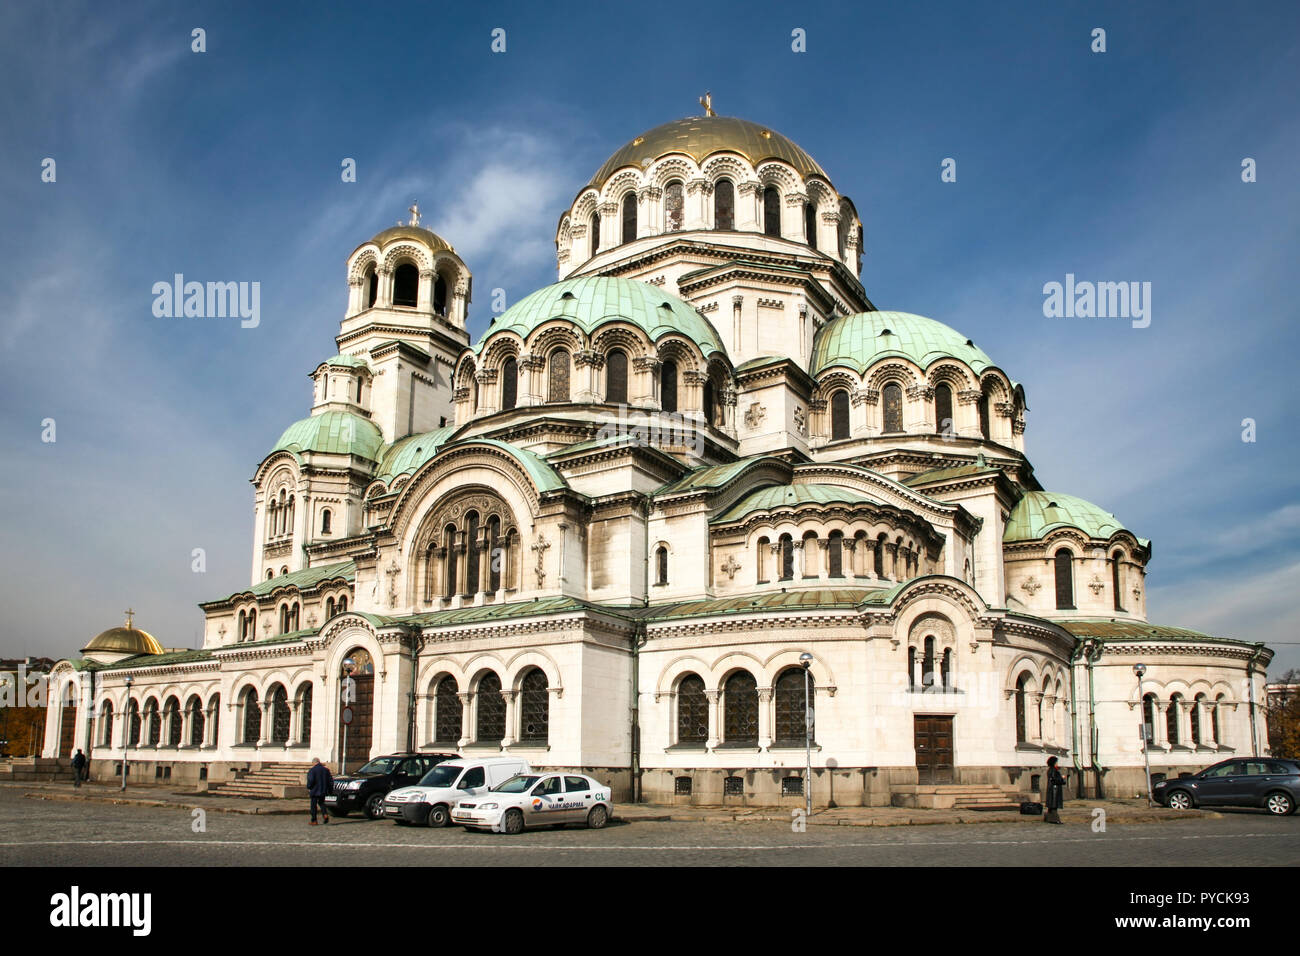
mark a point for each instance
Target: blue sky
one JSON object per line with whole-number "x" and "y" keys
{"x": 1121, "y": 166}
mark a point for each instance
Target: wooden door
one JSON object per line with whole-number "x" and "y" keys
{"x": 934, "y": 750}
{"x": 360, "y": 731}
{"x": 67, "y": 730}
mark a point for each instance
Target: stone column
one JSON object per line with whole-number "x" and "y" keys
{"x": 424, "y": 291}
{"x": 749, "y": 200}
{"x": 695, "y": 212}
{"x": 764, "y": 718}
{"x": 384, "y": 293}
{"x": 511, "y": 716}
{"x": 466, "y": 719}
{"x": 714, "y": 698}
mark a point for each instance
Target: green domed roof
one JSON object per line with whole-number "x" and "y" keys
{"x": 592, "y": 301}
{"x": 1041, "y": 512}
{"x": 406, "y": 455}
{"x": 776, "y": 496}
{"x": 335, "y": 433}
{"x": 348, "y": 361}
{"x": 860, "y": 340}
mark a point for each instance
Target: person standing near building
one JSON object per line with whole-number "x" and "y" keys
{"x": 1054, "y": 792}
{"x": 78, "y": 768}
{"x": 319, "y": 784}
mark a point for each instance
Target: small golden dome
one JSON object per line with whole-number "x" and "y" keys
{"x": 126, "y": 639}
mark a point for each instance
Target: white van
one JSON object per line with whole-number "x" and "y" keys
{"x": 430, "y": 801}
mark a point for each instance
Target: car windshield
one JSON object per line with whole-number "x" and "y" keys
{"x": 441, "y": 776}
{"x": 517, "y": 784}
{"x": 379, "y": 765}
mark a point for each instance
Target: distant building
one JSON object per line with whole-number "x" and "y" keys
{"x": 22, "y": 722}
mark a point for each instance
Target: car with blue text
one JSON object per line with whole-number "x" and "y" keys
{"x": 537, "y": 800}
{"x": 429, "y": 802}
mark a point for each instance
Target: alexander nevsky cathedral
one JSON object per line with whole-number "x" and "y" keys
{"x": 625, "y": 529}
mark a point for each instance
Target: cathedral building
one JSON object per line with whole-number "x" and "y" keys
{"x": 656, "y": 513}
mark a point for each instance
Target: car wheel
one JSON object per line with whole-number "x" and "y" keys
{"x": 437, "y": 817}
{"x": 1179, "y": 800}
{"x": 375, "y": 806}
{"x": 1279, "y": 803}
{"x": 597, "y": 818}
{"x": 513, "y": 823}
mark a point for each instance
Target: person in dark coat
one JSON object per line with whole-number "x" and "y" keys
{"x": 319, "y": 784}
{"x": 1055, "y": 793}
{"x": 78, "y": 768}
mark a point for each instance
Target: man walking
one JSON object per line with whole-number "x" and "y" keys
{"x": 78, "y": 768}
{"x": 319, "y": 784}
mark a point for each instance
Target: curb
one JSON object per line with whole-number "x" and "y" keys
{"x": 165, "y": 804}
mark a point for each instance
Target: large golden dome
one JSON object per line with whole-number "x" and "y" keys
{"x": 700, "y": 137}
{"x": 124, "y": 640}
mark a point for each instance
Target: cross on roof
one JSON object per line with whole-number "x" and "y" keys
{"x": 130, "y": 614}
{"x": 707, "y": 102}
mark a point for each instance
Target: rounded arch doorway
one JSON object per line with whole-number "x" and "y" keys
{"x": 354, "y": 739}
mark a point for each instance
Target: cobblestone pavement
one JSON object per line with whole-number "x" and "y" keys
{"x": 37, "y": 832}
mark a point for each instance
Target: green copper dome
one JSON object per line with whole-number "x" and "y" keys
{"x": 406, "y": 455}
{"x": 777, "y": 496}
{"x": 333, "y": 433}
{"x": 860, "y": 340}
{"x": 592, "y": 301}
{"x": 1041, "y": 512}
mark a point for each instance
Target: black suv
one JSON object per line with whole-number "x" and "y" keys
{"x": 366, "y": 789}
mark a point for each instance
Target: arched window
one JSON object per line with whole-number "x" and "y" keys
{"x": 760, "y": 561}
{"x": 284, "y": 619}
{"x": 304, "y": 714}
{"x": 692, "y": 711}
{"x": 325, "y": 521}
{"x": 1022, "y": 711}
{"x": 616, "y": 377}
{"x": 329, "y": 608}
{"x": 790, "y": 702}
{"x": 372, "y": 285}
{"x": 449, "y": 544}
{"x": 892, "y": 397}
{"x": 214, "y": 716}
{"x": 358, "y": 390}
{"x": 406, "y": 285}
{"x": 724, "y": 205}
{"x": 172, "y": 713}
{"x": 447, "y": 712}
{"x": 343, "y": 604}
{"x": 106, "y": 724}
{"x": 740, "y": 705}
{"x": 509, "y": 383}
{"x": 673, "y": 204}
{"x": 1214, "y": 719}
{"x": 668, "y": 386}
{"x": 945, "y": 668}
{"x": 439, "y": 295}
{"x": 472, "y": 553}
{"x": 661, "y": 565}
{"x": 252, "y": 717}
{"x": 1197, "y": 734}
{"x": 771, "y": 211}
{"x": 839, "y": 415}
{"x": 1149, "y": 717}
{"x": 835, "y": 554}
{"x": 787, "y": 557}
{"x": 534, "y": 708}
{"x": 594, "y": 228}
{"x": 944, "y": 423}
{"x": 710, "y": 403}
{"x": 629, "y": 217}
{"x": 927, "y": 663}
{"x": 879, "y": 558}
{"x": 558, "y": 368}
{"x": 810, "y": 223}
{"x": 133, "y": 723}
{"x": 1172, "y": 723}
{"x": 496, "y": 557}
{"x": 278, "y": 701}
{"x": 911, "y": 666}
{"x": 153, "y": 723}
{"x": 491, "y": 726}
{"x": 984, "y": 415}
{"x": 1115, "y": 587}
{"x": 1064, "y": 580}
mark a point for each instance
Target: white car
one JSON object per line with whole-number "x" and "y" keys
{"x": 429, "y": 802}
{"x": 537, "y": 800}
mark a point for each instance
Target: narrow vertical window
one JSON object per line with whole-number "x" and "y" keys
{"x": 943, "y": 421}
{"x": 661, "y": 566}
{"x": 984, "y": 416}
{"x": 673, "y": 205}
{"x": 1064, "y": 580}
{"x": 406, "y": 285}
{"x": 668, "y": 386}
{"x": 372, "y": 286}
{"x": 893, "y": 400}
{"x": 471, "y": 553}
{"x": 787, "y": 557}
{"x": 771, "y": 211}
{"x": 629, "y": 217}
{"x": 509, "y": 383}
{"x": 760, "y": 561}
{"x": 325, "y": 521}
{"x": 724, "y": 205}
{"x": 692, "y": 711}
{"x": 810, "y": 223}
{"x": 927, "y": 663}
{"x": 559, "y": 376}
{"x": 1115, "y": 581}
{"x": 839, "y": 415}
{"x": 594, "y": 229}
{"x": 495, "y": 553}
{"x": 439, "y": 295}
{"x": 616, "y": 377}
{"x": 835, "y": 554}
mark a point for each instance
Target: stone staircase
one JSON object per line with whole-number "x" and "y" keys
{"x": 271, "y": 781}
{"x": 956, "y": 796}
{"x": 36, "y": 770}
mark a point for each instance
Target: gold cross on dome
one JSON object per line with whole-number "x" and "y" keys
{"x": 707, "y": 102}
{"x": 414, "y": 210}
{"x": 129, "y": 615}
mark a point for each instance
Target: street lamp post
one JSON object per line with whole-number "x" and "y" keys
{"x": 1139, "y": 670}
{"x": 349, "y": 665}
{"x": 126, "y": 730}
{"x": 805, "y": 661}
